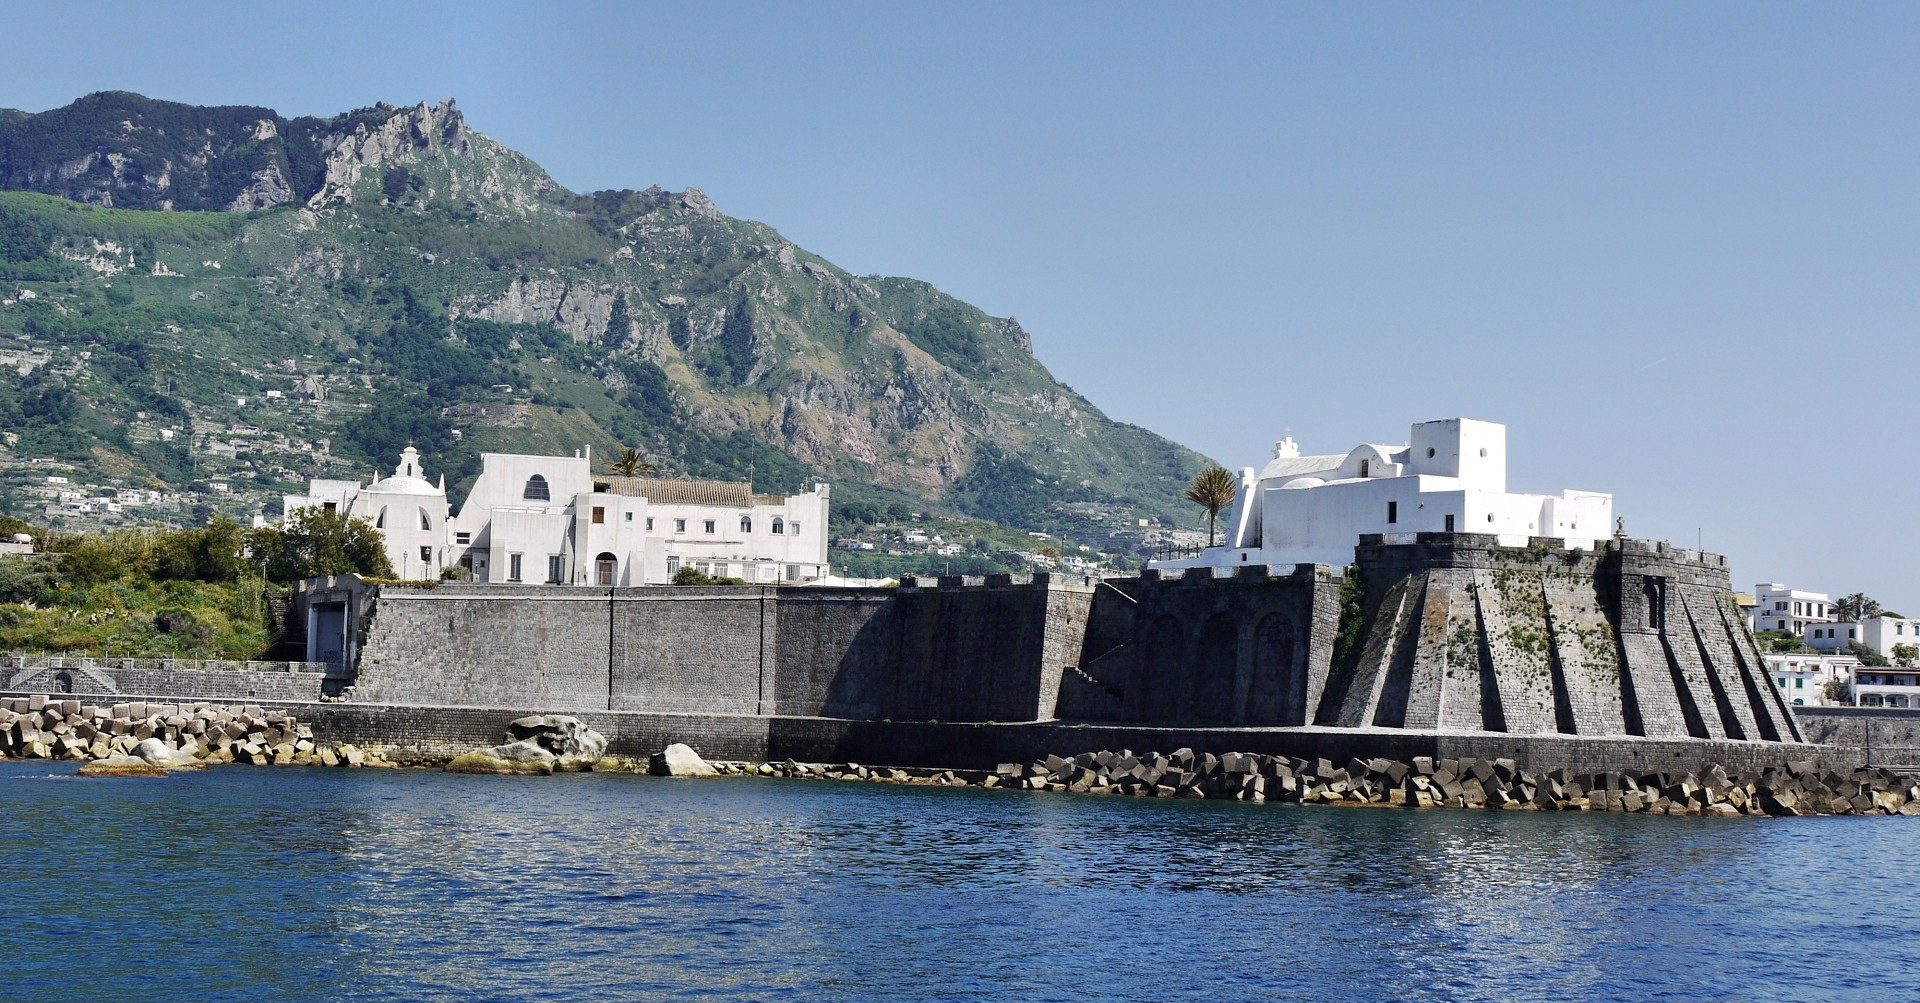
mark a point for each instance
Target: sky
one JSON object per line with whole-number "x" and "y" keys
{"x": 1672, "y": 247}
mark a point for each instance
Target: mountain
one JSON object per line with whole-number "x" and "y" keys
{"x": 196, "y": 293}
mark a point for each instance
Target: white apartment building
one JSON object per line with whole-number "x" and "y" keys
{"x": 1450, "y": 476}
{"x": 1778, "y": 607}
{"x": 1803, "y": 678}
{"x": 1887, "y": 687}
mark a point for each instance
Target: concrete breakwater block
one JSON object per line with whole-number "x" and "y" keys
{"x": 165, "y": 737}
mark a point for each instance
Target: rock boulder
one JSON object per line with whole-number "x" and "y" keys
{"x": 677, "y": 760}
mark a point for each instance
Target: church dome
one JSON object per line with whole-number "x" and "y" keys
{"x": 403, "y": 484}
{"x": 406, "y": 479}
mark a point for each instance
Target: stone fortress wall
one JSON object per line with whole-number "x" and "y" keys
{"x": 1449, "y": 644}
{"x": 945, "y": 650}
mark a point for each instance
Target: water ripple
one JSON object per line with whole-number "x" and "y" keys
{"x": 246, "y": 884}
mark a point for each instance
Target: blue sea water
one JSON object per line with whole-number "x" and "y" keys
{"x": 307, "y": 884}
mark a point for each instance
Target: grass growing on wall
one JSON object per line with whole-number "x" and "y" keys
{"x": 173, "y": 619}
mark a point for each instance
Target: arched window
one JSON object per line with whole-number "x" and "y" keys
{"x": 1365, "y": 465}
{"x": 746, "y": 524}
{"x": 425, "y": 523}
{"x": 380, "y": 521}
{"x": 779, "y": 527}
{"x": 537, "y": 489}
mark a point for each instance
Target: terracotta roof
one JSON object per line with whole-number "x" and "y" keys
{"x": 733, "y": 494}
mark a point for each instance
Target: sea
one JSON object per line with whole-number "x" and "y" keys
{"x": 262, "y": 884}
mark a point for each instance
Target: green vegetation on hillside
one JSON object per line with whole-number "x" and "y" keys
{"x": 449, "y": 295}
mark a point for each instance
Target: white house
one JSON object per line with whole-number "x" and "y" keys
{"x": 551, "y": 520}
{"x": 1880, "y": 634}
{"x": 409, "y": 511}
{"x": 1803, "y": 678}
{"x": 1450, "y": 476}
{"x": 1778, "y": 607}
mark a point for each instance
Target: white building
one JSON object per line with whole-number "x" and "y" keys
{"x": 1778, "y": 607}
{"x": 1880, "y": 634}
{"x": 1803, "y": 678}
{"x": 409, "y": 511}
{"x": 1886, "y": 687}
{"x": 551, "y": 520}
{"x": 1451, "y": 476}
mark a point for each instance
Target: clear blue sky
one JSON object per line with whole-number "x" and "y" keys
{"x": 1672, "y": 247}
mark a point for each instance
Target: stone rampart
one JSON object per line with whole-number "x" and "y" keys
{"x": 927, "y": 650}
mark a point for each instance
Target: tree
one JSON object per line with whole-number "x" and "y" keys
{"x": 1858, "y": 606}
{"x": 1905, "y": 653}
{"x": 1212, "y": 489}
{"x": 1835, "y": 691}
{"x": 320, "y": 542}
{"x": 1867, "y": 656}
{"x": 631, "y": 463}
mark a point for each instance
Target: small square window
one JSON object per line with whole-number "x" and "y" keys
{"x": 679, "y": 525}
{"x": 629, "y": 516}
{"x": 426, "y": 554}
{"x": 709, "y": 525}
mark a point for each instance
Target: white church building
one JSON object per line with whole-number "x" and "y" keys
{"x": 1449, "y": 477}
{"x": 409, "y": 511}
{"x": 550, "y": 520}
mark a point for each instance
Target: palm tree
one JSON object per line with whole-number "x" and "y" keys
{"x": 1858, "y": 606}
{"x": 1212, "y": 489}
{"x": 632, "y": 464}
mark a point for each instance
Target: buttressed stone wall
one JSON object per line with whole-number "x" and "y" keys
{"x": 1638, "y": 638}
{"x": 1451, "y": 633}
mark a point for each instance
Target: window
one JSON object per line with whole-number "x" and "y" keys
{"x": 556, "y": 569}
{"x": 331, "y": 506}
{"x": 599, "y": 515}
{"x": 629, "y": 516}
{"x": 1783, "y": 682}
{"x": 1393, "y": 511}
{"x": 710, "y": 525}
{"x": 513, "y": 567}
{"x": 649, "y": 524}
{"x": 779, "y": 526}
{"x": 1365, "y": 465}
{"x": 1449, "y": 523}
{"x": 794, "y": 528}
{"x": 425, "y": 523}
{"x": 1429, "y": 452}
{"x": 673, "y": 565}
{"x": 679, "y": 525}
{"x": 1800, "y": 683}
{"x": 380, "y": 521}
{"x": 426, "y": 555}
{"x": 746, "y": 524}
{"x": 463, "y": 538}
{"x": 537, "y": 489}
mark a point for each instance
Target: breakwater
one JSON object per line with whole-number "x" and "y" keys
{"x": 166, "y": 735}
